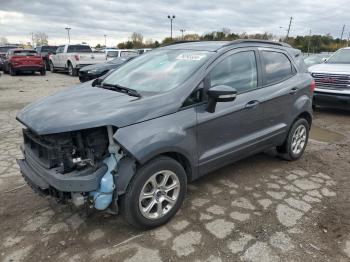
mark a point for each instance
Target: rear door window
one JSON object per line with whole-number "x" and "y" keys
{"x": 277, "y": 67}
{"x": 238, "y": 71}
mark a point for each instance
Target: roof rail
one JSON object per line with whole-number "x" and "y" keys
{"x": 181, "y": 42}
{"x": 257, "y": 41}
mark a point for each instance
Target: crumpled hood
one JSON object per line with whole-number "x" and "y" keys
{"x": 330, "y": 68}
{"x": 84, "y": 106}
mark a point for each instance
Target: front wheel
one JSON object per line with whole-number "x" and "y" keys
{"x": 295, "y": 144}
{"x": 155, "y": 193}
{"x": 52, "y": 67}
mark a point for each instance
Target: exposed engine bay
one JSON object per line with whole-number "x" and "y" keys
{"x": 69, "y": 151}
{"x": 73, "y": 161}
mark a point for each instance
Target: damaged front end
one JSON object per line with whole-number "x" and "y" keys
{"x": 78, "y": 166}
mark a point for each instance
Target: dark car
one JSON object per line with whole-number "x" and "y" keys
{"x": 3, "y": 51}
{"x": 94, "y": 71}
{"x": 23, "y": 60}
{"x": 45, "y": 51}
{"x": 139, "y": 136}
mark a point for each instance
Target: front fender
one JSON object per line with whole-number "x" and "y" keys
{"x": 174, "y": 133}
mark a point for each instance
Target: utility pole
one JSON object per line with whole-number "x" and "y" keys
{"x": 171, "y": 17}
{"x": 308, "y": 44}
{"x": 68, "y": 29}
{"x": 182, "y": 32}
{"x": 290, "y": 24}
{"x": 341, "y": 37}
{"x": 105, "y": 40}
{"x": 32, "y": 39}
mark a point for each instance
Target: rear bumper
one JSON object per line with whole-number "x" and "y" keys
{"x": 43, "y": 178}
{"x": 334, "y": 100}
{"x": 28, "y": 68}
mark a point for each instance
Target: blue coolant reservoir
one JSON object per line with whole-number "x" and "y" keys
{"x": 103, "y": 196}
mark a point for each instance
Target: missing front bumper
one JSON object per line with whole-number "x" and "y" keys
{"x": 45, "y": 178}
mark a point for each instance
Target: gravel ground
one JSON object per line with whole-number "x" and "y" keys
{"x": 259, "y": 209}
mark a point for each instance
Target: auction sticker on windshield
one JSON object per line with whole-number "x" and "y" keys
{"x": 190, "y": 57}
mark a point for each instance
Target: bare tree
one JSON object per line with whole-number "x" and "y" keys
{"x": 136, "y": 39}
{"x": 3, "y": 41}
{"x": 40, "y": 38}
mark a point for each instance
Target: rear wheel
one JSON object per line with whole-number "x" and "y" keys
{"x": 12, "y": 71}
{"x": 72, "y": 71}
{"x": 43, "y": 72}
{"x": 295, "y": 144}
{"x": 47, "y": 65}
{"x": 155, "y": 193}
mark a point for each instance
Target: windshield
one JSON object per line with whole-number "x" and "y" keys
{"x": 314, "y": 59}
{"x": 158, "y": 71}
{"x": 340, "y": 57}
{"x": 119, "y": 60}
{"x": 128, "y": 53}
{"x": 24, "y": 52}
{"x": 48, "y": 48}
{"x": 4, "y": 49}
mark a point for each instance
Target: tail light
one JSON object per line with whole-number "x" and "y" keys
{"x": 76, "y": 57}
{"x": 312, "y": 86}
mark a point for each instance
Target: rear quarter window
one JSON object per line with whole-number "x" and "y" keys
{"x": 277, "y": 67}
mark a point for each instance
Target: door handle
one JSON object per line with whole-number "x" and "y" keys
{"x": 252, "y": 104}
{"x": 293, "y": 90}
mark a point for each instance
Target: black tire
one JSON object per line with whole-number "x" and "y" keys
{"x": 286, "y": 151}
{"x": 43, "y": 72}
{"x": 12, "y": 71}
{"x": 130, "y": 200}
{"x": 71, "y": 70}
{"x": 52, "y": 67}
{"x": 47, "y": 65}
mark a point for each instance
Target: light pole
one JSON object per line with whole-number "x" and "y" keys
{"x": 68, "y": 29}
{"x": 171, "y": 17}
{"x": 182, "y": 32}
{"x": 105, "y": 40}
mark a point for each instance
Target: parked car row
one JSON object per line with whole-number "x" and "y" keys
{"x": 64, "y": 58}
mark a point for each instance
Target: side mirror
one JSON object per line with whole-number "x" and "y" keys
{"x": 220, "y": 93}
{"x": 97, "y": 82}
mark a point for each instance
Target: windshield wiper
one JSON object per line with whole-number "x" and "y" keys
{"x": 119, "y": 88}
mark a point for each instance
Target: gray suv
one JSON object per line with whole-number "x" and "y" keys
{"x": 133, "y": 139}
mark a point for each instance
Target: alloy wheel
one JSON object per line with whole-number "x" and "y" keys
{"x": 159, "y": 194}
{"x": 298, "y": 139}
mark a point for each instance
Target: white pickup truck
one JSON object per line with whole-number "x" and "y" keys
{"x": 333, "y": 80}
{"x": 73, "y": 57}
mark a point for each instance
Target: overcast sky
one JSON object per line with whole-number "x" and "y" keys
{"x": 91, "y": 19}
